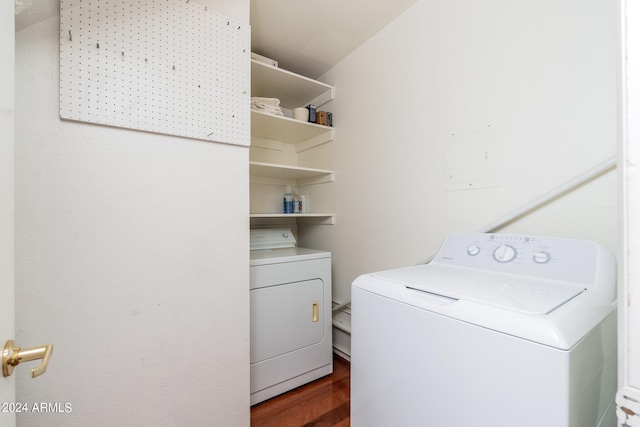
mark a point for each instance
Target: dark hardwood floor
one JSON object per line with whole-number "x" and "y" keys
{"x": 321, "y": 403}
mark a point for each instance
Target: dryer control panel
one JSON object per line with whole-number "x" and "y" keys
{"x": 548, "y": 257}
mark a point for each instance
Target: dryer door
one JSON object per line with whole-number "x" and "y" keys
{"x": 286, "y": 318}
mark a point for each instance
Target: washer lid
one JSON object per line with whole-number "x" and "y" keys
{"x": 522, "y": 294}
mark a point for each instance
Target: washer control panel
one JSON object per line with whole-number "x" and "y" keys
{"x": 550, "y": 257}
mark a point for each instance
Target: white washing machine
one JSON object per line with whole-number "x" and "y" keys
{"x": 498, "y": 330}
{"x": 290, "y": 314}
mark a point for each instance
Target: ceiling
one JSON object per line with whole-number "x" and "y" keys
{"x": 309, "y": 37}
{"x": 304, "y": 36}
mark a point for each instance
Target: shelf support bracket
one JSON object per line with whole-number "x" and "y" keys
{"x": 315, "y": 141}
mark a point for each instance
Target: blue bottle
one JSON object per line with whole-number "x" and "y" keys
{"x": 288, "y": 201}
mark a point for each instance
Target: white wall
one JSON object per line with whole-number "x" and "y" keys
{"x": 132, "y": 255}
{"x": 545, "y": 71}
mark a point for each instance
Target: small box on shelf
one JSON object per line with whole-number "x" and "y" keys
{"x": 321, "y": 118}
{"x": 312, "y": 113}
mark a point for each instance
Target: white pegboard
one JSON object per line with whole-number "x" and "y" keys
{"x": 165, "y": 66}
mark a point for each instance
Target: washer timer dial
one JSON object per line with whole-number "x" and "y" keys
{"x": 504, "y": 253}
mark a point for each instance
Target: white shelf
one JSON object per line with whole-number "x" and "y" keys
{"x": 303, "y": 176}
{"x": 315, "y": 218}
{"x": 293, "y": 90}
{"x": 305, "y": 135}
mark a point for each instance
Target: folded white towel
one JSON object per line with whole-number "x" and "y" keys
{"x": 267, "y": 105}
{"x": 265, "y": 101}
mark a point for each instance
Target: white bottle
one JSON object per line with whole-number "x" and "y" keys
{"x": 303, "y": 204}
{"x": 296, "y": 202}
{"x": 287, "y": 200}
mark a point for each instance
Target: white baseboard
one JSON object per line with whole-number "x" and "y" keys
{"x": 341, "y": 333}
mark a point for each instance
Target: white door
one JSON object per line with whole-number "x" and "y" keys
{"x": 628, "y": 398}
{"x": 7, "y": 385}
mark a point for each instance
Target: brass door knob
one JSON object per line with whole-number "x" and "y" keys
{"x": 13, "y": 355}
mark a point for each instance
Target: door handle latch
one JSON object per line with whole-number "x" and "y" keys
{"x": 12, "y": 356}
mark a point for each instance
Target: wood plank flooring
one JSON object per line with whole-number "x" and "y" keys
{"x": 321, "y": 403}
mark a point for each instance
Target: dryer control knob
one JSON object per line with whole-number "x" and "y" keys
{"x": 504, "y": 253}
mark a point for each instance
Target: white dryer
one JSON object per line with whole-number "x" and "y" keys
{"x": 498, "y": 330}
{"x": 290, "y": 314}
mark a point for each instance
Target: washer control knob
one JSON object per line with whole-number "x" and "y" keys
{"x": 541, "y": 257}
{"x": 504, "y": 253}
{"x": 473, "y": 250}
